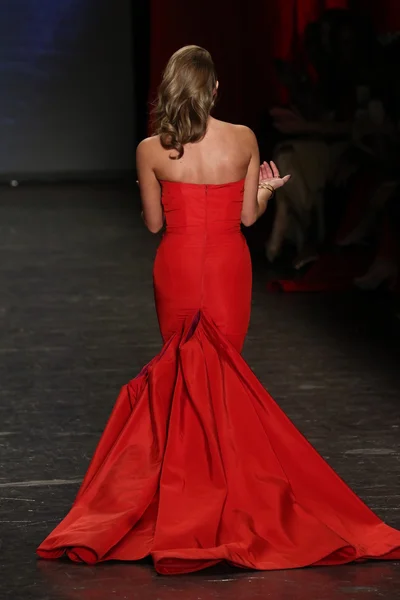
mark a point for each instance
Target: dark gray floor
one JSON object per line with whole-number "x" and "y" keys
{"x": 78, "y": 321}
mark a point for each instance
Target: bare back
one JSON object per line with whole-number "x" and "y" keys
{"x": 226, "y": 154}
{"x": 222, "y": 156}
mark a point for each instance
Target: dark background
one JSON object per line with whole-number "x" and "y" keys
{"x": 244, "y": 38}
{"x": 67, "y": 88}
{"x": 77, "y": 75}
{"x": 77, "y": 317}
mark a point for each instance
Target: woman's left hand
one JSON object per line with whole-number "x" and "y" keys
{"x": 269, "y": 173}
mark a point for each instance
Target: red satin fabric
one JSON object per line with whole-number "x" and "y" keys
{"x": 203, "y": 262}
{"x": 197, "y": 463}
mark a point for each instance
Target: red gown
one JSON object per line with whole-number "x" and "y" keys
{"x": 197, "y": 463}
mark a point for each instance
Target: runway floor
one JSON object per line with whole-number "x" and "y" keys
{"x": 77, "y": 321}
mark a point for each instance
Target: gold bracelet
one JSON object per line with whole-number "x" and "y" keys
{"x": 266, "y": 186}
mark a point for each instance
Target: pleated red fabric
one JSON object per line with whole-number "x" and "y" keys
{"x": 197, "y": 463}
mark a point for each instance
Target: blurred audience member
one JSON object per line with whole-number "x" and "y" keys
{"x": 317, "y": 126}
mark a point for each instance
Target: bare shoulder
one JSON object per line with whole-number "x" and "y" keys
{"x": 148, "y": 145}
{"x": 240, "y": 132}
{"x": 148, "y": 152}
{"x": 245, "y": 133}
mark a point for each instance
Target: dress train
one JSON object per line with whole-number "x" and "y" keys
{"x": 198, "y": 464}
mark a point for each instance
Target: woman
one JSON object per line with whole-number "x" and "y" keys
{"x": 197, "y": 464}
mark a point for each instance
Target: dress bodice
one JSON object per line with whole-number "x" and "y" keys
{"x": 192, "y": 208}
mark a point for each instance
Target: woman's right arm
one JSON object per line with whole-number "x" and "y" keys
{"x": 254, "y": 200}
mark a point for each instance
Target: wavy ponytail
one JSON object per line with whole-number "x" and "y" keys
{"x": 185, "y": 99}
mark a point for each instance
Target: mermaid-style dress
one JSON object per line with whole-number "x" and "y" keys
{"x": 197, "y": 463}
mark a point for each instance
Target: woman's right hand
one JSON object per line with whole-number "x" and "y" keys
{"x": 269, "y": 173}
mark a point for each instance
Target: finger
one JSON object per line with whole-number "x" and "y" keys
{"x": 268, "y": 171}
{"x": 275, "y": 169}
{"x": 286, "y": 178}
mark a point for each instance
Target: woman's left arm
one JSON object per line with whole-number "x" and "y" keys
{"x": 150, "y": 190}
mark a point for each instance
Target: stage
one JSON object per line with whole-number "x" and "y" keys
{"x": 78, "y": 321}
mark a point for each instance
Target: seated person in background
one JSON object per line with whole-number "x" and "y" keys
{"x": 372, "y": 157}
{"x": 317, "y": 127}
{"x": 376, "y": 137}
{"x": 384, "y": 268}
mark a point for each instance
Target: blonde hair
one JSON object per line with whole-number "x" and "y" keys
{"x": 185, "y": 98}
